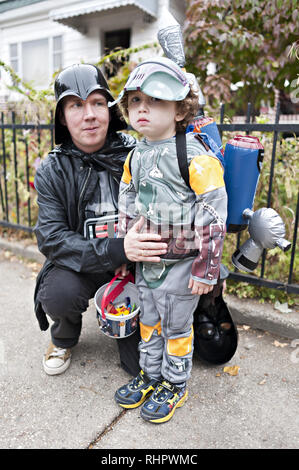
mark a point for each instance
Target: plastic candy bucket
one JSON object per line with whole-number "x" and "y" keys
{"x": 117, "y": 326}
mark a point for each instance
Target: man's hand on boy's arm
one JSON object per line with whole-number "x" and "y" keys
{"x": 143, "y": 247}
{"x": 199, "y": 288}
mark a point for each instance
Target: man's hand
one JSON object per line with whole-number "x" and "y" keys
{"x": 199, "y": 288}
{"x": 143, "y": 246}
{"x": 122, "y": 271}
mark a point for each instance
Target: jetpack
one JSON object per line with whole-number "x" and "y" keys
{"x": 215, "y": 334}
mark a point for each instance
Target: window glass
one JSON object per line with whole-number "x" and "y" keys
{"x": 35, "y": 62}
{"x": 114, "y": 40}
{"x": 13, "y": 50}
{"x": 57, "y": 43}
{"x": 57, "y": 53}
{"x": 13, "y": 55}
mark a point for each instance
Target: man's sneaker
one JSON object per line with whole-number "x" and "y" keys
{"x": 136, "y": 391}
{"x": 161, "y": 406}
{"x": 56, "y": 360}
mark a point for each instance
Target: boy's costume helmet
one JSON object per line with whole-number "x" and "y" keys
{"x": 160, "y": 78}
{"x": 80, "y": 80}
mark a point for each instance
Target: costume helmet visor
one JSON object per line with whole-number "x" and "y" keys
{"x": 160, "y": 78}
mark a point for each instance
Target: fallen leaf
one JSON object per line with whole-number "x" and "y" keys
{"x": 218, "y": 374}
{"x": 280, "y": 345}
{"x": 262, "y": 382}
{"x": 231, "y": 370}
{"x": 246, "y": 327}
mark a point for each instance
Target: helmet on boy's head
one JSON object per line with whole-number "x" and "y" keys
{"x": 159, "y": 77}
{"x": 80, "y": 80}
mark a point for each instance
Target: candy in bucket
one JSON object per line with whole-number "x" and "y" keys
{"x": 118, "y": 309}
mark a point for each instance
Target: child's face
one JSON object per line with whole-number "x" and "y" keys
{"x": 154, "y": 118}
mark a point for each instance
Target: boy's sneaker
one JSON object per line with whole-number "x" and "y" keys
{"x": 161, "y": 406}
{"x": 136, "y": 391}
{"x": 56, "y": 360}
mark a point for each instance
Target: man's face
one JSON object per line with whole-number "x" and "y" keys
{"x": 87, "y": 120}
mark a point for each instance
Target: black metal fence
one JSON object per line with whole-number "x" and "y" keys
{"x": 17, "y": 172}
{"x": 16, "y": 145}
{"x": 277, "y": 129}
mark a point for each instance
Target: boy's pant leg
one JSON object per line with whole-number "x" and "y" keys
{"x": 166, "y": 325}
{"x": 151, "y": 343}
{"x": 177, "y": 332}
{"x": 177, "y": 357}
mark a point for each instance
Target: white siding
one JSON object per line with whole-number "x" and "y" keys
{"x": 32, "y": 22}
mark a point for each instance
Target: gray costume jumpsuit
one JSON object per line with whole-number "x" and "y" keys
{"x": 192, "y": 222}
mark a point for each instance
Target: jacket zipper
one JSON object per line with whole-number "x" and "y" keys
{"x": 115, "y": 201}
{"x": 83, "y": 190}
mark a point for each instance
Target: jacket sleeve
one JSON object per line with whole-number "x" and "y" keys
{"x": 126, "y": 201}
{"x": 206, "y": 180}
{"x": 59, "y": 241}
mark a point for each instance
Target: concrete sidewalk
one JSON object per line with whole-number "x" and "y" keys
{"x": 255, "y": 409}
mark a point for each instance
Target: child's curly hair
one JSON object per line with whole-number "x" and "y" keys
{"x": 188, "y": 105}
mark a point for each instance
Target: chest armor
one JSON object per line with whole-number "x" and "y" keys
{"x": 162, "y": 193}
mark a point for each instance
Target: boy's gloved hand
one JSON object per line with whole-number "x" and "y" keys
{"x": 199, "y": 288}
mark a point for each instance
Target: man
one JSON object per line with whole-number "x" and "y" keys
{"x": 76, "y": 183}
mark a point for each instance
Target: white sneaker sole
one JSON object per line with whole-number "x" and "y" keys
{"x": 56, "y": 370}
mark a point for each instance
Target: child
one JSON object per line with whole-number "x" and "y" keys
{"x": 159, "y": 103}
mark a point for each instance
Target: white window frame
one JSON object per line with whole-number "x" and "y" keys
{"x": 51, "y": 53}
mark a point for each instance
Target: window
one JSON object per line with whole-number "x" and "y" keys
{"x": 57, "y": 53}
{"x": 14, "y": 57}
{"x": 114, "y": 40}
{"x": 35, "y": 61}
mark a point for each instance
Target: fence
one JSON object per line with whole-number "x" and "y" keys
{"x": 17, "y": 214}
{"x": 17, "y": 148}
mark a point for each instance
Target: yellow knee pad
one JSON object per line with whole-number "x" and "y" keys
{"x": 180, "y": 346}
{"x": 146, "y": 331}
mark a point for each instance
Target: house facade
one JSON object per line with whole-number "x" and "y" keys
{"x": 38, "y": 38}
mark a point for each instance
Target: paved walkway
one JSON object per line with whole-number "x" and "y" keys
{"x": 255, "y": 409}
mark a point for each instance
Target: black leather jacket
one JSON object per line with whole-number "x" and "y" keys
{"x": 65, "y": 181}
